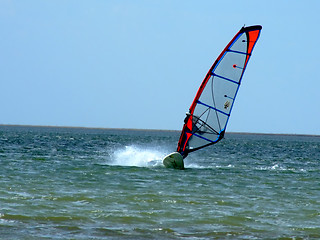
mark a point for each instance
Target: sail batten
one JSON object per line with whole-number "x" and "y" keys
{"x": 212, "y": 108}
{"x": 228, "y": 79}
{"x": 206, "y": 121}
{"x": 203, "y": 138}
{"x": 229, "y": 50}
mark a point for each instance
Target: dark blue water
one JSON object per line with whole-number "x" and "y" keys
{"x": 72, "y": 183}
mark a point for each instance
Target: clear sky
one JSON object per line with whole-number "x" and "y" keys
{"x": 138, "y": 64}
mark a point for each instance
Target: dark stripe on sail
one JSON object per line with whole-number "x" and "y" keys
{"x": 213, "y": 108}
{"x": 204, "y": 137}
{"x": 228, "y": 79}
{"x": 229, "y": 50}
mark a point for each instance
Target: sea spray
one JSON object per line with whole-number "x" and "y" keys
{"x": 137, "y": 156}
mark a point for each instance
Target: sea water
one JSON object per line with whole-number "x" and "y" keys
{"x": 73, "y": 183}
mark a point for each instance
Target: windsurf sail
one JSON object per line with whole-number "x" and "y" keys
{"x": 206, "y": 121}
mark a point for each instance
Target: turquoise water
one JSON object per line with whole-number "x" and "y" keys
{"x": 69, "y": 183}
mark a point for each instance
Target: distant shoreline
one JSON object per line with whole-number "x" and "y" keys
{"x": 155, "y": 130}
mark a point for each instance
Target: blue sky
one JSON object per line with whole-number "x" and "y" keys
{"x": 138, "y": 64}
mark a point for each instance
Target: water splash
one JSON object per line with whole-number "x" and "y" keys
{"x": 149, "y": 157}
{"x": 137, "y": 156}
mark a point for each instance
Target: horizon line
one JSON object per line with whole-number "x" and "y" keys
{"x": 150, "y": 129}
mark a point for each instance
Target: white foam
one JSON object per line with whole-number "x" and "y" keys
{"x": 137, "y": 156}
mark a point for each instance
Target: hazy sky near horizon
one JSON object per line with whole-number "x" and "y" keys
{"x": 138, "y": 64}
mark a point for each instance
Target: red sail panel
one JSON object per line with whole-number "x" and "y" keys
{"x": 253, "y": 37}
{"x": 210, "y": 110}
